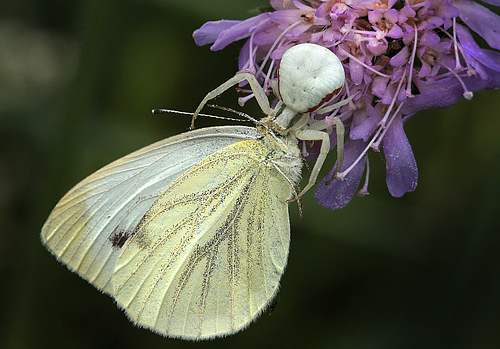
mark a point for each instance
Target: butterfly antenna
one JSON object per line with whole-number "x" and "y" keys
{"x": 246, "y": 116}
{"x": 167, "y": 111}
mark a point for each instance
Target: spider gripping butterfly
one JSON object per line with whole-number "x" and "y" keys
{"x": 190, "y": 235}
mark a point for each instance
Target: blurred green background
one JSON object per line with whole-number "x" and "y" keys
{"x": 77, "y": 82}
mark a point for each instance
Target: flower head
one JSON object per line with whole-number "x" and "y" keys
{"x": 404, "y": 56}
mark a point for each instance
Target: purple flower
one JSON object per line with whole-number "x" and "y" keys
{"x": 405, "y": 56}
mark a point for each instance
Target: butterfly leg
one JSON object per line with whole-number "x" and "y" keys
{"x": 258, "y": 91}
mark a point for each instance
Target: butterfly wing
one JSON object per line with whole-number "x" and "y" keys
{"x": 88, "y": 227}
{"x": 207, "y": 257}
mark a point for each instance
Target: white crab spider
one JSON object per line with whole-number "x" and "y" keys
{"x": 309, "y": 77}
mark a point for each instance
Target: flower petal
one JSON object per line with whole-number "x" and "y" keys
{"x": 473, "y": 49}
{"x": 356, "y": 71}
{"x": 239, "y": 31}
{"x": 492, "y": 2}
{"x": 210, "y": 31}
{"x": 495, "y": 75}
{"x": 402, "y": 172}
{"x": 400, "y": 58}
{"x": 365, "y": 130}
{"x": 338, "y": 193}
{"x": 481, "y": 20}
{"x": 429, "y": 38}
{"x": 441, "y": 94}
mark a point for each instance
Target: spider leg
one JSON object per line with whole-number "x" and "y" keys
{"x": 259, "y": 93}
{"x": 339, "y": 104}
{"x": 314, "y": 135}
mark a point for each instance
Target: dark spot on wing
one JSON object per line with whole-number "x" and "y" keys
{"x": 272, "y": 306}
{"x": 118, "y": 238}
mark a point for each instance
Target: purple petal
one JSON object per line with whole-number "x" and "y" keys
{"x": 301, "y": 6}
{"x": 366, "y": 129}
{"x": 391, "y": 15}
{"x": 286, "y": 16}
{"x": 338, "y": 193}
{"x": 377, "y": 47}
{"x": 402, "y": 172}
{"x": 356, "y": 71}
{"x": 400, "y": 58}
{"x": 300, "y": 29}
{"x": 447, "y": 11}
{"x": 473, "y": 49}
{"x": 442, "y": 93}
{"x": 209, "y": 31}
{"x": 266, "y": 37}
{"x": 282, "y": 5}
{"x": 429, "y": 38}
{"x": 492, "y": 2}
{"x": 238, "y": 31}
{"x": 431, "y": 23}
{"x": 395, "y": 32}
{"x": 495, "y": 75}
{"x": 408, "y": 11}
{"x": 389, "y": 93}
{"x": 379, "y": 86}
{"x": 244, "y": 56}
{"x": 375, "y": 16}
{"x": 481, "y": 20}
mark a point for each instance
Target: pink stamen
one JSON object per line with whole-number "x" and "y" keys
{"x": 243, "y": 100}
{"x": 344, "y": 52}
{"x": 382, "y": 122}
{"x": 364, "y": 190}
{"x": 376, "y": 145}
{"x": 412, "y": 60}
{"x": 457, "y": 58}
{"x": 467, "y": 94}
{"x": 273, "y": 47}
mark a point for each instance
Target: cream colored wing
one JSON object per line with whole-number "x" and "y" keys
{"x": 87, "y": 228}
{"x": 207, "y": 257}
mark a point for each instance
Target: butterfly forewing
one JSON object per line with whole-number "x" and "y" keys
{"x": 207, "y": 257}
{"x": 88, "y": 227}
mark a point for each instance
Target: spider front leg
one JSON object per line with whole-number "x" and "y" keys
{"x": 340, "y": 131}
{"x": 258, "y": 92}
{"x": 314, "y": 135}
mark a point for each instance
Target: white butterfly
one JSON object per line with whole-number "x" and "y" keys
{"x": 190, "y": 235}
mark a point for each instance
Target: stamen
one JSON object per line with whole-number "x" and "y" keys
{"x": 270, "y": 72}
{"x": 250, "y": 65}
{"x": 412, "y": 60}
{"x": 364, "y": 190}
{"x": 457, "y": 58}
{"x": 273, "y": 47}
{"x": 344, "y": 52}
{"x": 364, "y": 32}
{"x": 376, "y": 145}
{"x": 378, "y": 134}
{"x": 467, "y": 94}
{"x": 458, "y": 48}
{"x": 243, "y": 100}
{"x": 396, "y": 94}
